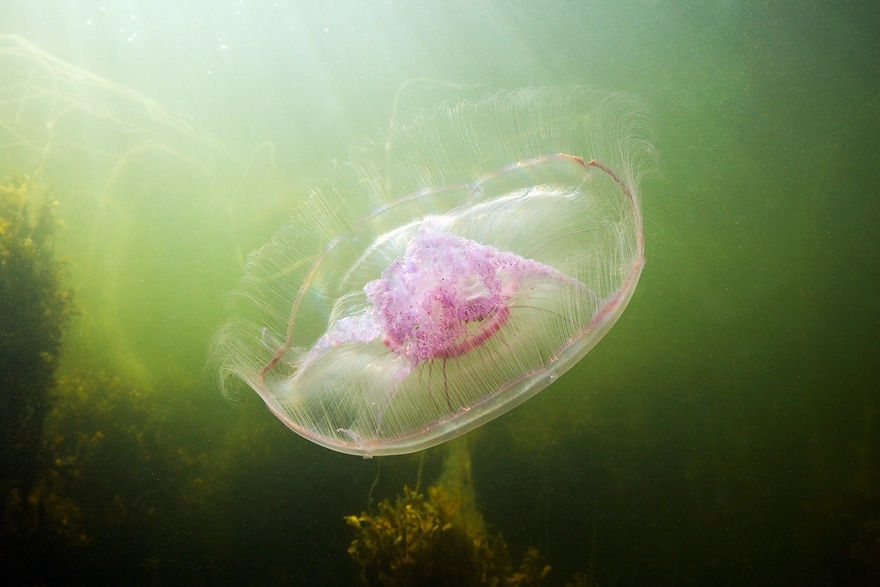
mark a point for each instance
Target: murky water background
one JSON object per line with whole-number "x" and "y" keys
{"x": 724, "y": 431}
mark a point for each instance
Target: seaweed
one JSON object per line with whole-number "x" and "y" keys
{"x": 426, "y": 541}
{"x": 35, "y": 305}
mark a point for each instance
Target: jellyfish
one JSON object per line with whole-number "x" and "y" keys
{"x": 447, "y": 272}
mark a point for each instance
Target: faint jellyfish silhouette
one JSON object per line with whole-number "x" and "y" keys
{"x": 450, "y": 272}
{"x": 121, "y": 161}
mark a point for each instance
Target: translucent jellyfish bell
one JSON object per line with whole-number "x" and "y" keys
{"x": 449, "y": 273}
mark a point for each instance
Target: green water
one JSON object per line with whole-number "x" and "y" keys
{"x": 725, "y": 431}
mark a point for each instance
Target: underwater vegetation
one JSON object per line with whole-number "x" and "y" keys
{"x": 35, "y": 305}
{"x": 440, "y": 537}
{"x": 421, "y": 540}
{"x": 113, "y": 470}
